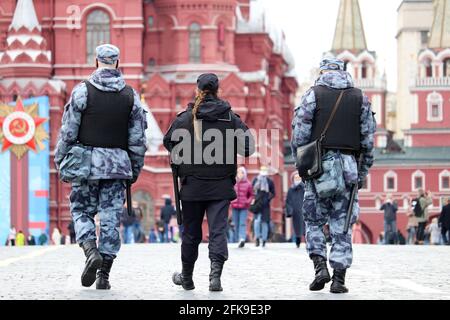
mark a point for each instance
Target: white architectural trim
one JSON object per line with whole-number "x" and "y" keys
{"x": 443, "y": 174}
{"x": 128, "y": 26}
{"x": 435, "y": 98}
{"x": 390, "y": 174}
{"x": 99, "y": 5}
{"x": 443, "y": 55}
{"x": 129, "y": 77}
{"x": 418, "y": 174}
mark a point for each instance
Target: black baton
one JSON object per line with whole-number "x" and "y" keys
{"x": 177, "y": 195}
{"x": 129, "y": 205}
{"x": 354, "y": 191}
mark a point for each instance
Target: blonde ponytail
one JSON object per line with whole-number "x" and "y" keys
{"x": 198, "y": 100}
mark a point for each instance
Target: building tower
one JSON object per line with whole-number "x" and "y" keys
{"x": 350, "y": 45}
{"x": 414, "y": 24}
{"x": 430, "y": 120}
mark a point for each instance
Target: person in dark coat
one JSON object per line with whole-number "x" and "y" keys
{"x": 264, "y": 192}
{"x": 72, "y": 234}
{"x": 207, "y": 170}
{"x": 444, "y": 221}
{"x": 167, "y": 212}
{"x": 294, "y": 205}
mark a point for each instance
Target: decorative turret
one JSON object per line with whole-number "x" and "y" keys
{"x": 349, "y": 34}
{"x": 26, "y": 51}
{"x": 440, "y": 35}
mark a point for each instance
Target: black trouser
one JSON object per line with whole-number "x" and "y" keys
{"x": 421, "y": 231}
{"x": 217, "y": 215}
{"x": 444, "y": 231}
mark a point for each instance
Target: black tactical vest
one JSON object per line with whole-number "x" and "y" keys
{"x": 345, "y": 130}
{"x": 212, "y": 171}
{"x": 104, "y": 123}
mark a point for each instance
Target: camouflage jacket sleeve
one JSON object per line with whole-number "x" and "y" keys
{"x": 303, "y": 121}
{"x": 368, "y": 129}
{"x": 71, "y": 121}
{"x": 137, "y": 140}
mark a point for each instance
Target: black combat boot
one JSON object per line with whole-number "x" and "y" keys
{"x": 322, "y": 274}
{"x": 214, "y": 276}
{"x": 338, "y": 284}
{"x": 184, "y": 278}
{"x": 93, "y": 262}
{"x": 257, "y": 242}
{"x": 102, "y": 282}
{"x": 241, "y": 244}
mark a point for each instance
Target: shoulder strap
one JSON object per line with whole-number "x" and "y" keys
{"x": 336, "y": 106}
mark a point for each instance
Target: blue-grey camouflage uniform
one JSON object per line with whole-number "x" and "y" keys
{"x": 320, "y": 210}
{"x": 103, "y": 193}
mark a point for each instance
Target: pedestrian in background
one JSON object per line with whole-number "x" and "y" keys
{"x": 56, "y": 236}
{"x": 71, "y": 229}
{"x": 390, "y": 209}
{"x": 244, "y": 193}
{"x": 435, "y": 232}
{"x": 411, "y": 227}
{"x": 139, "y": 235}
{"x": 167, "y": 213}
{"x": 20, "y": 239}
{"x": 127, "y": 226}
{"x": 43, "y": 239}
{"x": 31, "y": 241}
{"x": 444, "y": 221}
{"x": 380, "y": 238}
{"x": 421, "y": 204}
{"x": 294, "y": 207}
{"x": 12, "y": 236}
{"x": 264, "y": 189}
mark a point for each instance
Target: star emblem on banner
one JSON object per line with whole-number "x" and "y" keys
{"x": 21, "y": 128}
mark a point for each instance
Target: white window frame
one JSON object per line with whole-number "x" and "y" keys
{"x": 435, "y": 98}
{"x": 443, "y": 174}
{"x": 390, "y": 174}
{"x": 416, "y": 174}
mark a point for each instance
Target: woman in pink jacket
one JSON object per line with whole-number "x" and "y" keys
{"x": 244, "y": 192}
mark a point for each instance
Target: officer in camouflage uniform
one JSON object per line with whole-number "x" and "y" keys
{"x": 105, "y": 115}
{"x": 350, "y": 136}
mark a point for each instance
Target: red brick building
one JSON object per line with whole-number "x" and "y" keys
{"x": 47, "y": 47}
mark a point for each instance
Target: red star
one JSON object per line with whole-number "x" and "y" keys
{"x": 37, "y": 122}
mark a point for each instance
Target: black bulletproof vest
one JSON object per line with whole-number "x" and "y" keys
{"x": 212, "y": 171}
{"x": 104, "y": 123}
{"x": 345, "y": 130}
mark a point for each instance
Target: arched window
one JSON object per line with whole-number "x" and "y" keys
{"x": 97, "y": 32}
{"x": 390, "y": 181}
{"x": 195, "y": 44}
{"x": 444, "y": 181}
{"x": 428, "y": 68}
{"x": 221, "y": 33}
{"x": 418, "y": 180}
{"x": 364, "y": 68}
{"x": 435, "y": 103}
{"x": 446, "y": 67}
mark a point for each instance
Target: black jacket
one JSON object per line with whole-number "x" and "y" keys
{"x": 196, "y": 186}
{"x": 294, "y": 208}
{"x": 444, "y": 218}
{"x": 168, "y": 211}
{"x": 265, "y": 198}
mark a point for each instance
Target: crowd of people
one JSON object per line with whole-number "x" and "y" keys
{"x": 419, "y": 230}
{"x": 255, "y": 197}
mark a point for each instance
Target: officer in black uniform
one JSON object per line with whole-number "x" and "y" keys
{"x": 207, "y": 177}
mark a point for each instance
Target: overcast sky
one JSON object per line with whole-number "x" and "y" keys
{"x": 309, "y": 28}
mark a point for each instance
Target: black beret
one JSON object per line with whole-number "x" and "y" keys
{"x": 208, "y": 82}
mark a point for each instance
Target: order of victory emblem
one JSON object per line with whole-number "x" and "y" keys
{"x": 21, "y": 128}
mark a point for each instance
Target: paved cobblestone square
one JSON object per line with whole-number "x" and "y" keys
{"x": 279, "y": 271}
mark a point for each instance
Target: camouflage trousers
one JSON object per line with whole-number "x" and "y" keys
{"x": 105, "y": 197}
{"x": 317, "y": 212}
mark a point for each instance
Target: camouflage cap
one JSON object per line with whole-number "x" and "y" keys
{"x": 107, "y": 54}
{"x": 332, "y": 64}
